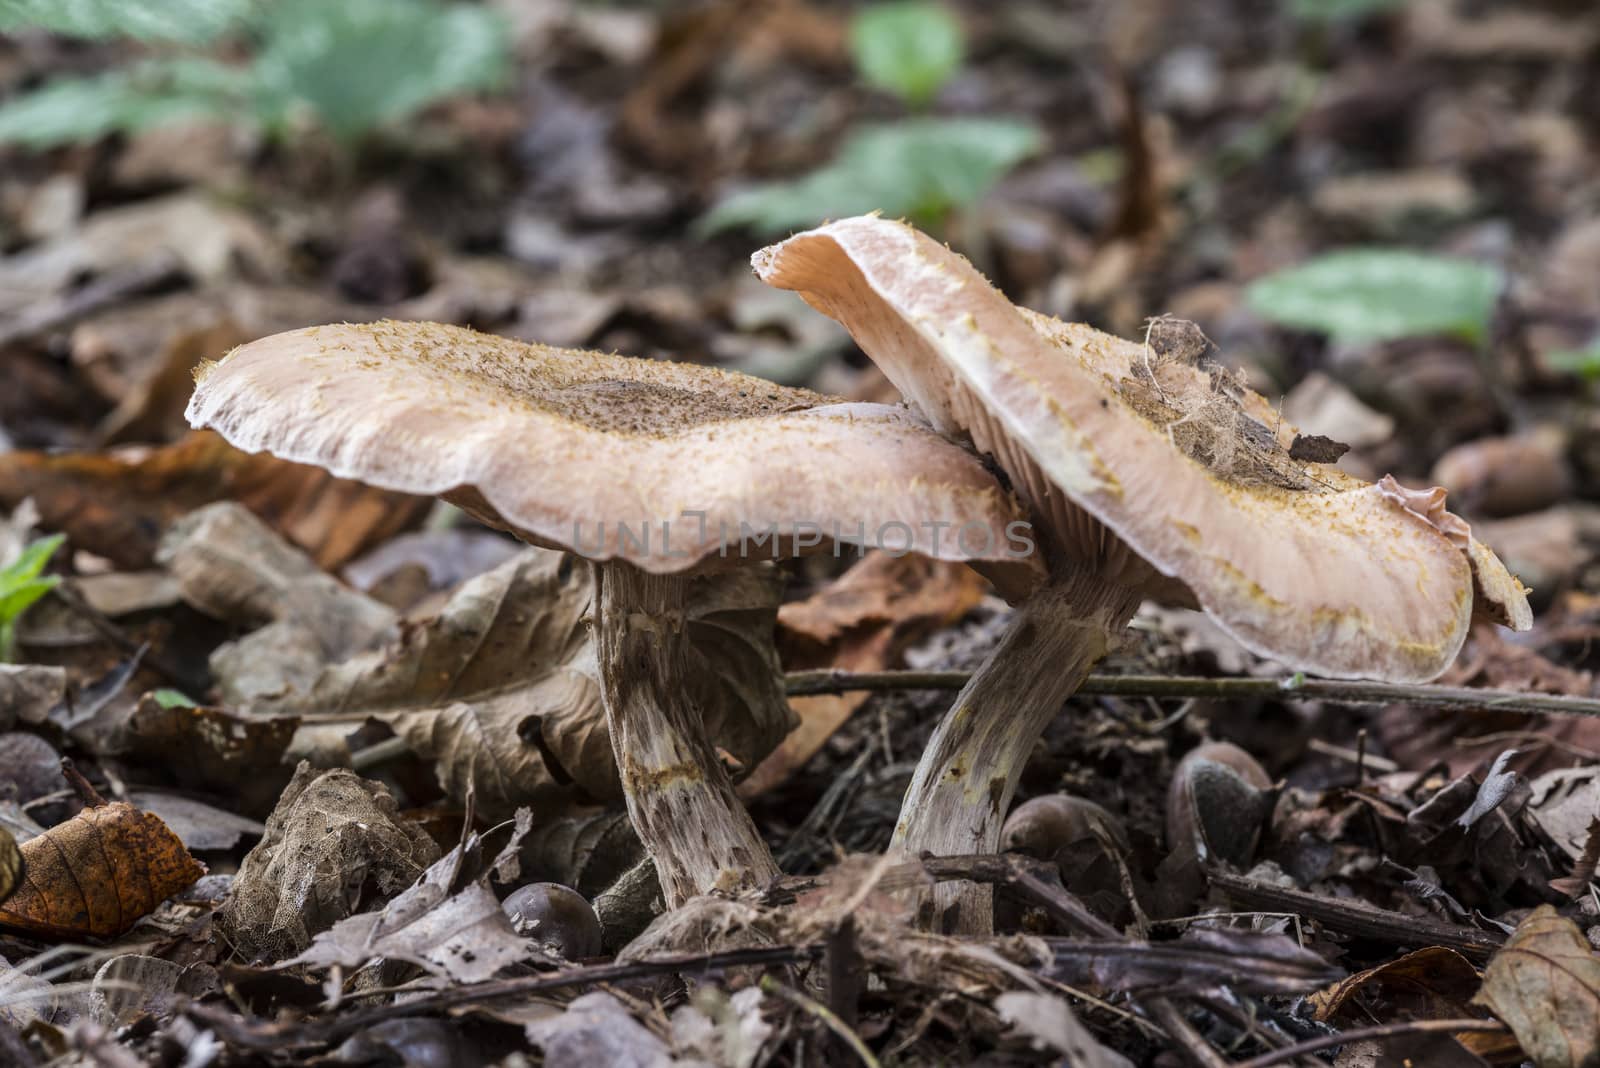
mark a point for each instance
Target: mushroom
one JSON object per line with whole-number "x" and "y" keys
{"x": 1150, "y": 471}
{"x": 657, "y": 472}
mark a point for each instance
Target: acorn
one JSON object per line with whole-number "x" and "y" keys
{"x": 1043, "y": 826}
{"x": 557, "y": 917}
{"x": 1219, "y": 798}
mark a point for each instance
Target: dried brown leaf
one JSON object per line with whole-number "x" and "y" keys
{"x": 117, "y": 503}
{"x": 96, "y": 874}
{"x": 1429, "y": 983}
{"x": 1545, "y": 984}
{"x": 211, "y": 748}
{"x": 500, "y": 690}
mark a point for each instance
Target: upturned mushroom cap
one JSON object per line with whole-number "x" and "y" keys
{"x": 1153, "y": 464}
{"x": 553, "y": 443}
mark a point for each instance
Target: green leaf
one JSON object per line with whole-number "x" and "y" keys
{"x": 167, "y": 697}
{"x": 70, "y": 110}
{"x": 21, "y": 586}
{"x": 923, "y": 169}
{"x": 30, "y": 562}
{"x": 909, "y": 48}
{"x": 1583, "y": 362}
{"x": 356, "y": 64}
{"x": 1365, "y": 295}
{"x": 1340, "y": 10}
{"x": 188, "y": 21}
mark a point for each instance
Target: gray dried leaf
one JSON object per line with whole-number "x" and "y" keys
{"x": 1564, "y": 802}
{"x": 29, "y": 691}
{"x": 232, "y": 566}
{"x": 130, "y": 985}
{"x": 598, "y": 1029}
{"x": 1497, "y": 786}
{"x": 724, "y": 1030}
{"x": 334, "y": 845}
{"x": 465, "y": 937}
{"x": 1051, "y": 1024}
{"x": 197, "y": 824}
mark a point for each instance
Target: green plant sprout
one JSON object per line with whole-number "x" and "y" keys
{"x": 1326, "y": 11}
{"x": 921, "y": 169}
{"x": 349, "y": 66}
{"x": 21, "y": 585}
{"x": 909, "y": 48}
{"x": 1359, "y": 296}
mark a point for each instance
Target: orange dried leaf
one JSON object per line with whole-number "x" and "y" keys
{"x": 117, "y": 504}
{"x": 96, "y": 874}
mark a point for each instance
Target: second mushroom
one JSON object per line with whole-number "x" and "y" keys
{"x": 1151, "y": 472}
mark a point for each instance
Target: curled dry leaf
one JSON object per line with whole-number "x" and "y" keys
{"x": 1545, "y": 984}
{"x": 117, "y": 503}
{"x": 1429, "y": 984}
{"x": 500, "y": 688}
{"x": 95, "y": 875}
{"x": 334, "y": 846}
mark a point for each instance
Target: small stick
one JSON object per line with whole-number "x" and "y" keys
{"x": 1293, "y": 688}
{"x": 1379, "y": 1031}
{"x": 80, "y": 785}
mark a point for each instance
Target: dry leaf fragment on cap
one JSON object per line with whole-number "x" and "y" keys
{"x": 97, "y": 874}
{"x": 1545, "y": 984}
{"x": 653, "y": 470}
{"x": 1150, "y": 471}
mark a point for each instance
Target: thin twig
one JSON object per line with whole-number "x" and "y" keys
{"x": 1380, "y": 1031}
{"x": 829, "y": 1019}
{"x": 1293, "y": 688}
{"x": 261, "y": 1034}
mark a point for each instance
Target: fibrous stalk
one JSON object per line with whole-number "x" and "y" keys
{"x": 679, "y": 795}
{"x": 964, "y": 782}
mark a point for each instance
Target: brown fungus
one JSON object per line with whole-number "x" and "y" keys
{"x": 1151, "y": 471}
{"x": 657, "y": 472}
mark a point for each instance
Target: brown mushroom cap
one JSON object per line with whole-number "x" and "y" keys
{"x": 551, "y": 443}
{"x": 1147, "y": 461}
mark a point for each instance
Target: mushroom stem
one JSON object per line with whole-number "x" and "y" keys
{"x": 963, "y": 784}
{"x": 679, "y": 796}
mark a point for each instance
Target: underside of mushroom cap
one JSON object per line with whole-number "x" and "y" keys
{"x": 665, "y": 465}
{"x": 1139, "y": 457}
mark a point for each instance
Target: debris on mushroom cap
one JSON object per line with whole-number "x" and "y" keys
{"x": 1498, "y": 595}
{"x": 553, "y": 443}
{"x": 1150, "y": 458}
